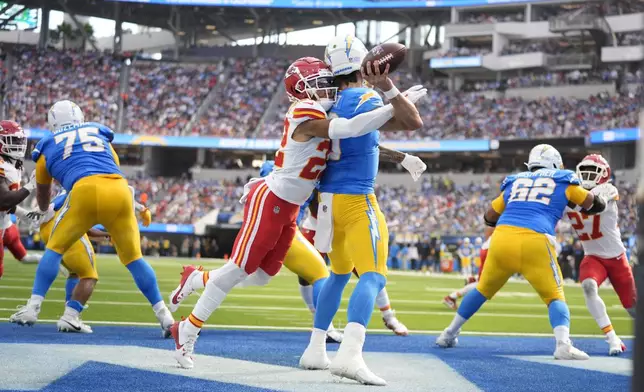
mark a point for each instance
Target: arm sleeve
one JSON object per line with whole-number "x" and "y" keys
{"x": 42, "y": 174}
{"x": 498, "y": 204}
{"x": 115, "y": 156}
{"x": 576, "y": 194}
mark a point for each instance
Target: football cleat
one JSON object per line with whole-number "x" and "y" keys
{"x": 314, "y": 358}
{"x": 184, "y": 345}
{"x": 450, "y": 302}
{"x": 350, "y": 364}
{"x": 333, "y": 335}
{"x": 447, "y": 339}
{"x": 566, "y": 351}
{"x": 185, "y": 287}
{"x": 166, "y": 320}
{"x": 31, "y": 258}
{"x": 616, "y": 347}
{"x": 392, "y": 323}
{"x": 26, "y": 315}
{"x": 72, "y": 324}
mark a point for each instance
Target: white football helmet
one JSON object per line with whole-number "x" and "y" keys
{"x": 64, "y": 113}
{"x": 478, "y": 241}
{"x": 344, "y": 54}
{"x": 544, "y": 155}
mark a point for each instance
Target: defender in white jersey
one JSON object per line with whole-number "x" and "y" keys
{"x": 272, "y": 203}
{"x": 604, "y": 252}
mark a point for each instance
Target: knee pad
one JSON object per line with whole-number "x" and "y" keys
{"x": 590, "y": 287}
{"x": 228, "y": 276}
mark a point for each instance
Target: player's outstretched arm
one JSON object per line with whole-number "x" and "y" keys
{"x": 589, "y": 202}
{"x": 10, "y": 199}
{"x": 406, "y": 116}
{"x": 343, "y": 128}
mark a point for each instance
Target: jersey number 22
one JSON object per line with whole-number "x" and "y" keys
{"x": 88, "y": 138}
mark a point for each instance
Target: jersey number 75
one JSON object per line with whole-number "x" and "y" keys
{"x": 88, "y": 138}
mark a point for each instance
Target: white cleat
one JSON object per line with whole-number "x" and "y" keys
{"x": 447, "y": 339}
{"x": 395, "y": 325}
{"x": 31, "y": 258}
{"x": 354, "y": 368}
{"x": 314, "y": 358}
{"x": 333, "y": 335}
{"x": 26, "y": 315}
{"x": 72, "y": 324}
{"x": 616, "y": 347}
{"x": 184, "y": 345}
{"x": 566, "y": 351}
{"x": 166, "y": 320}
{"x": 184, "y": 289}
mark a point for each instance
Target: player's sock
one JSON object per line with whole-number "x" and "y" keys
{"x": 463, "y": 292}
{"x": 329, "y": 300}
{"x": 383, "y": 303}
{"x": 559, "y": 315}
{"x": 70, "y": 284}
{"x": 317, "y": 289}
{"x": 73, "y": 308}
{"x": 307, "y": 295}
{"x": 471, "y": 303}
{"x": 145, "y": 279}
{"x": 214, "y": 293}
{"x": 200, "y": 279}
{"x": 36, "y": 299}
{"x": 597, "y": 308}
{"x": 46, "y": 272}
{"x": 364, "y": 296}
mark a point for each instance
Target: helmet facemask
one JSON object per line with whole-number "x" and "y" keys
{"x": 591, "y": 174}
{"x": 318, "y": 88}
{"x": 14, "y": 146}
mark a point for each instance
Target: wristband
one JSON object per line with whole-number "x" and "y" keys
{"x": 391, "y": 94}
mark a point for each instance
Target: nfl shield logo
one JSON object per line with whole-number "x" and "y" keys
{"x": 276, "y": 210}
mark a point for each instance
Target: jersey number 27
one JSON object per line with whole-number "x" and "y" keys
{"x": 88, "y": 138}
{"x": 579, "y": 222}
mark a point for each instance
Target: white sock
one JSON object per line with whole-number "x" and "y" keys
{"x": 463, "y": 292}
{"x": 71, "y": 312}
{"x": 159, "y": 306}
{"x": 307, "y": 295}
{"x": 562, "y": 334}
{"x": 596, "y": 306}
{"x": 354, "y": 337}
{"x": 318, "y": 338}
{"x": 197, "y": 281}
{"x": 387, "y": 314}
{"x": 456, "y": 324}
{"x": 209, "y": 301}
{"x": 382, "y": 300}
{"x": 36, "y": 300}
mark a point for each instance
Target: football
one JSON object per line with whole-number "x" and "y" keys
{"x": 391, "y": 53}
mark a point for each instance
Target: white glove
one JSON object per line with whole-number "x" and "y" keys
{"x": 608, "y": 191}
{"x": 31, "y": 184}
{"x": 414, "y": 165}
{"x": 415, "y": 93}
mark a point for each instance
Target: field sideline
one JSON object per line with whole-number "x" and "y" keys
{"x": 517, "y": 310}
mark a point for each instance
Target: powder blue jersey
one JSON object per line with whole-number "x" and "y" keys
{"x": 536, "y": 200}
{"x": 77, "y": 151}
{"x": 353, "y": 163}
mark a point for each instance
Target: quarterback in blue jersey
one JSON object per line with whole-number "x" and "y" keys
{"x": 524, "y": 216}
{"x": 79, "y": 155}
{"x": 351, "y": 226}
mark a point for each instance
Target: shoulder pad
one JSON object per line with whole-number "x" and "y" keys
{"x": 507, "y": 181}
{"x": 37, "y": 151}
{"x": 569, "y": 176}
{"x": 307, "y": 109}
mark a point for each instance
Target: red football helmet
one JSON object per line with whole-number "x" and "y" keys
{"x": 310, "y": 78}
{"x": 593, "y": 170}
{"x": 13, "y": 141}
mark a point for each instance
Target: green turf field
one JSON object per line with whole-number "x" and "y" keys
{"x": 416, "y": 299}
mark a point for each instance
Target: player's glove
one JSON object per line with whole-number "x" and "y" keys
{"x": 414, "y": 165}
{"x": 146, "y": 217}
{"x": 415, "y": 93}
{"x": 31, "y": 184}
{"x": 608, "y": 191}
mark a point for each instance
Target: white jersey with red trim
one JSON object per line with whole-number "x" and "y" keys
{"x": 599, "y": 234}
{"x": 12, "y": 177}
{"x": 298, "y": 165}
{"x": 486, "y": 244}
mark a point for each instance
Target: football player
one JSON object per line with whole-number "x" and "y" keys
{"x": 351, "y": 227}
{"x": 13, "y": 145}
{"x": 451, "y": 300}
{"x": 11, "y": 239}
{"x": 271, "y": 204}
{"x": 465, "y": 254}
{"x": 604, "y": 252}
{"x": 79, "y": 155}
{"x": 525, "y": 215}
